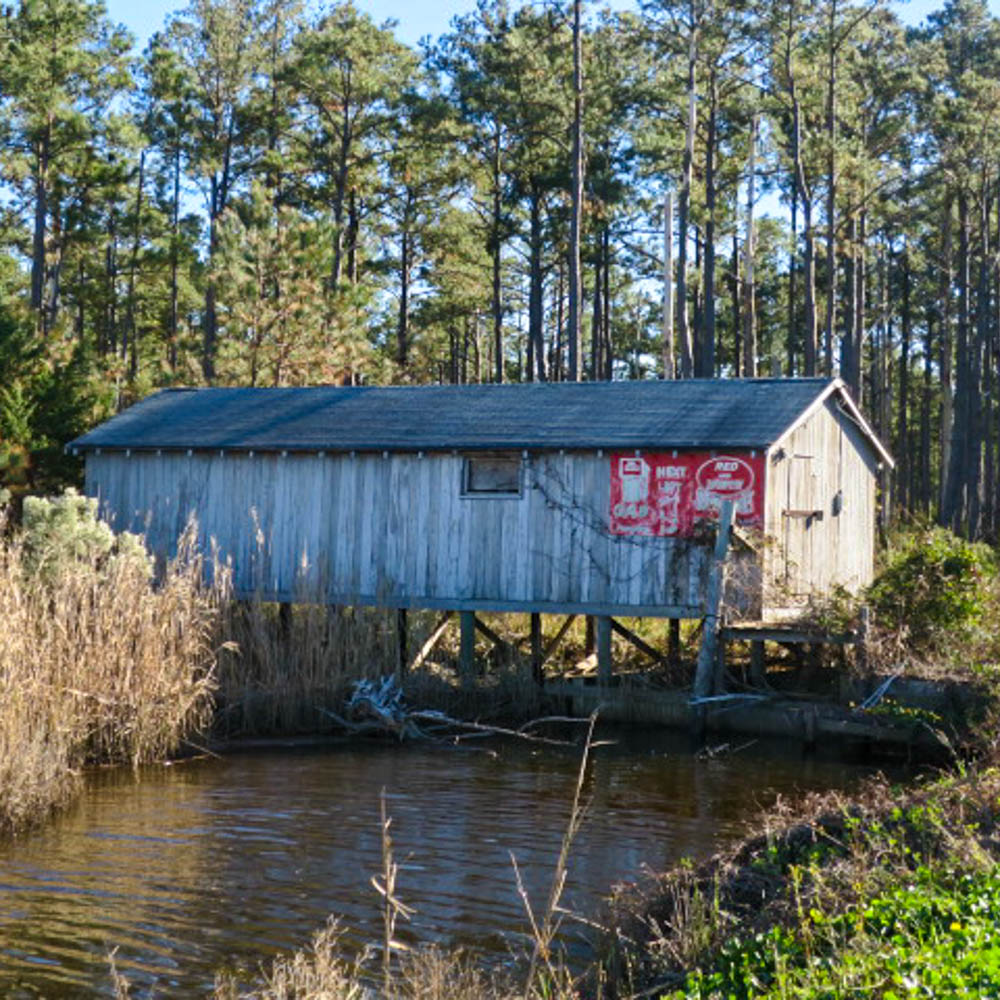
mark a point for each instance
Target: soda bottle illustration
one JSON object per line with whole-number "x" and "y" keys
{"x": 634, "y": 475}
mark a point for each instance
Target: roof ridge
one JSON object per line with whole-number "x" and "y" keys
{"x": 480, "y": 386}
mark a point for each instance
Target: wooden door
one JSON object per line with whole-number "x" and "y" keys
{"x": 800, "y": 514}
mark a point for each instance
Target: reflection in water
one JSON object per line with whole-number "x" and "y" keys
{"x": 216, "y": 862}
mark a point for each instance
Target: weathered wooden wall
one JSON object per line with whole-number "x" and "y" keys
{"x": 825, "y": 454}
{"x": 396, "y": 531}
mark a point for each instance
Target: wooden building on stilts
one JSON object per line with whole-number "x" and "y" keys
{"x": 600, "y": 499}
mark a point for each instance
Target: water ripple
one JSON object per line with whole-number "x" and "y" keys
{"x": 226, "y": 862}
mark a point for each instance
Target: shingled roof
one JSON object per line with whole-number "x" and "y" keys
{"x": 692, "y": 413}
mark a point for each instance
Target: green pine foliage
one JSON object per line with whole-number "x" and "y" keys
{"x": 275, "y": 195}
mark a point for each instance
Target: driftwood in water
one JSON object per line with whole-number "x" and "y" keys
{"x": 378, "y": 707}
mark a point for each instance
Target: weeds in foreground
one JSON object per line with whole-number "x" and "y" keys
{"x": 545, "y": 928}
{"x": 320, "y": 972}
{"x": 392, "y": 906}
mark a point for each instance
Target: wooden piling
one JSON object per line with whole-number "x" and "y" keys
{"x": 674, "y": 643}
{"x": 402, "y": 653}
{"x": 704, "y": 674}
{"x": 537, "y": 653}
{"x": 467, "y": 644}
{"x": 758, "y": 668}
{"x": 603, "y": 637}
{"x": 285, "y": 620}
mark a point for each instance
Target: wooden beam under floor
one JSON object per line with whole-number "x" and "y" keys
{"x": 536, "y": 647}
{"x": 558, "y": 638}
{"x": 500, "y": 644}
{"x": 432, "y": 640}
{"x": 639, "y": 643}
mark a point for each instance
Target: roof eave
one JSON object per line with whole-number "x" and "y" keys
{"x": 839, "y": 387}
{"x": 76, "y": 447}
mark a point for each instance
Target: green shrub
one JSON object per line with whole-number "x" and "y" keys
{"x": 64, "y": 531}
{"x": 933, "y": 584}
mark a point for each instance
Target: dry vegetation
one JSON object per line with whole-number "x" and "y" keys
{"x": 279, "y": 675}
{"x": 321, "y": 973}
{"x": 276, "y": 675}
{"x": 96, "y": 664}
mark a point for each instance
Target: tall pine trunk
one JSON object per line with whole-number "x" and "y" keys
{"x": 536, "y": 279}
{"x": 41, "y": 218}
{"x": 576, "y": 206}
{"x": 749, "y": 292}
{"x": 684, "y": 208}
{"x": 706, "y": 352}
{"x": 955, "y": 510}
{"x": 831, "y": 194}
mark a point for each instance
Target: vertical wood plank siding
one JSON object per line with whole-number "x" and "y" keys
{"x": 396, "y": 530}
{"x": 805, "y": 556}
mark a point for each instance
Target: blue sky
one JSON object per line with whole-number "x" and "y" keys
{"x": 415, "y": 19}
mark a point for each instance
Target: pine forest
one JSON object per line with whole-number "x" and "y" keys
{"x": 272, "y": 194}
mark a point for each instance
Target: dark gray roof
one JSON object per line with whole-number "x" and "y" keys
{"x": 693, "y": 413}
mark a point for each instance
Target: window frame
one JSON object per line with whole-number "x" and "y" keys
{"x": 467, "y": 492}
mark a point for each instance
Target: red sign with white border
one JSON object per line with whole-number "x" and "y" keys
{"x": 668, "y": 494}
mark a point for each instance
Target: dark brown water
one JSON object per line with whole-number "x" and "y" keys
{"x": 225, "y": 862}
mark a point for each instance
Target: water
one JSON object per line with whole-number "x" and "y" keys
{"x": 223, "y": 863}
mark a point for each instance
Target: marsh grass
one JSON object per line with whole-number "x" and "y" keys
{"x": 97, "y": 665}
{"x": 321, "y": 972}
{"x": 278, "y": 671}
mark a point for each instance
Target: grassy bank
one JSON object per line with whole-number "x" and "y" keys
{"x": 96, "y": 664}
{"x": 887, "y": 895}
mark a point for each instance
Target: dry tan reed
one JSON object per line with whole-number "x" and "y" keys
{"x": 320, "y": 972}
{"x": 277, "y": 672}
{"x": 97, "y": 665}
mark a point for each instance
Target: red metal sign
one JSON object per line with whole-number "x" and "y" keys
{"x": 669, "y": 494}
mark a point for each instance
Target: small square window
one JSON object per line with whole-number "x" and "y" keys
{"x": 491, "y": 475}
